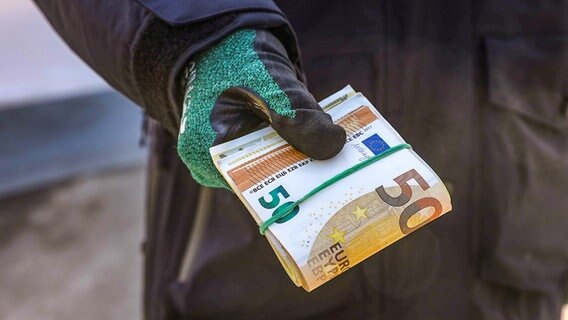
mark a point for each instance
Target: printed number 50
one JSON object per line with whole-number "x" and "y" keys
{"x": 404, "y": 198}
{"x": 275, "y": 201}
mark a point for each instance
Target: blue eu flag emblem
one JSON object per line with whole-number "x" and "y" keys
{"x": 376, "y": 144}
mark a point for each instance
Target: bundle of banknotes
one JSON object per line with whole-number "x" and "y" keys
{"x": 354, "y": 216}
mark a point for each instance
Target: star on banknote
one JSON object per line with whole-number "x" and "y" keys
{"x": 337, "y": 236}
{"x": 360, "y": 213}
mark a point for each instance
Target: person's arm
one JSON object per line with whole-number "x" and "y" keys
{"x": 142, "y": 47}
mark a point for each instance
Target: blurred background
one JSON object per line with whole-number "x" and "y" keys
{"x": 72, "y": 181}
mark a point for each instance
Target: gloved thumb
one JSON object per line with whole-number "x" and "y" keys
{"x": 286, "y": 105}
{"x": 309, "y": 130}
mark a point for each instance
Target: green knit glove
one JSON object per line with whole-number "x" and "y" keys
{"x": 240, "y": 84}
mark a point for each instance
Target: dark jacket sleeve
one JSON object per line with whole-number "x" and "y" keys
{"x": 140, "y": 47}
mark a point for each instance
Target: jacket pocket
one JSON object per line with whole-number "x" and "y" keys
{"x": 528, "y": 76}
{"x": 524, "y": 163}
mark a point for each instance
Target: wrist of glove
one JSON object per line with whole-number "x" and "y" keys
{"x": 238, "y": 85}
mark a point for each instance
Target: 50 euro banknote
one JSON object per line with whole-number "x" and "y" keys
{"x": 355, "y": 216}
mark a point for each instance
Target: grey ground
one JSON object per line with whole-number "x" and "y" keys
{"x": 73, "y": 250}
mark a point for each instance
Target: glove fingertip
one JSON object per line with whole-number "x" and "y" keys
{"x": 332, "y": 142}
{"x": 311, "y": 132}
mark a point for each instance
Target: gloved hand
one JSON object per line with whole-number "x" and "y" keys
{"x": 240, "y": 83}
